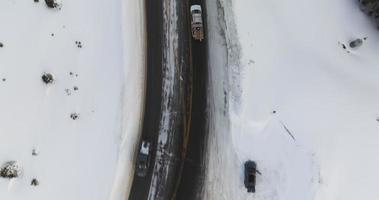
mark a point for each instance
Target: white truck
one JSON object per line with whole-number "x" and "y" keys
{"x": 197, "y": 28}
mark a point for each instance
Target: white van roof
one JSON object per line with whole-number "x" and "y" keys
{"x": 195, "y": 7}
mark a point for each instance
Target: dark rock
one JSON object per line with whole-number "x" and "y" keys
{"x": 68, "y": 91}
{"x": 35, "y": 152}
{"x": 1, "y": 45}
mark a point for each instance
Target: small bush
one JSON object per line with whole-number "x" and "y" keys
{"x": 74, "y": 116}
{"x": 371, "y": 8}
{"x": 47, "y": 78}
{"x": 51, "y": 3}
{"x": 10, "y": 170}
{"x": 34, "y": 182}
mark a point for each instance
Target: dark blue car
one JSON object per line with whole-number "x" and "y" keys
{"x": 250, "y": 175}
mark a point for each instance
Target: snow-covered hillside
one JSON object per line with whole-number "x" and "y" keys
{"x": 298, "y": 100}
{"x": 83, "y": 126}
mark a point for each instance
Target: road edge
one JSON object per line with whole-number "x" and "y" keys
{"x": 134, "y": 65}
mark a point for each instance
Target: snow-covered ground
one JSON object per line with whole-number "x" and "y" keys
{"x": 84, "y": 159}
{"x": 293, "y": 100}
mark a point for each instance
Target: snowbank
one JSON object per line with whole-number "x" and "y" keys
{"x": 309, "y": 106}
{"x": 133, "y": 93}
{"x": 98, "y": 75}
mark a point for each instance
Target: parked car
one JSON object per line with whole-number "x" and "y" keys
{"x": 143, "y": 159}
{"x": 250, "y": 175}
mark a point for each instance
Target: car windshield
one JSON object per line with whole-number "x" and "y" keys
{"x": 142, "y": 158}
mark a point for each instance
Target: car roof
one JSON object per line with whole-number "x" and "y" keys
{"x": 250, "y": 164}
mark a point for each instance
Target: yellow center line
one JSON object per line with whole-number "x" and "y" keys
{"x": 187, "y": 123}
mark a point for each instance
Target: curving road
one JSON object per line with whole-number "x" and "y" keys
{"x": 141, "y": 186}
{"x": 193, "y": 169}
{"x": 175, "y": 107}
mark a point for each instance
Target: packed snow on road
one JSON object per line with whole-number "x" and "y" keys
{"x": 71, "y": 87}
{"x": 295, "y": 96}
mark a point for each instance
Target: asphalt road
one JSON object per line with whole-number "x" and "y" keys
{"x": 140, "y": 187}
{"x": 181, "y": 172}
{"x": 193, "y": 168}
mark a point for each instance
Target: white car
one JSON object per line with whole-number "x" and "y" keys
{"x": 143, "y": 159}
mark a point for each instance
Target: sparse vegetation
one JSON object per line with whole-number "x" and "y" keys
{"x": 68, "y": 91}
{"x": 35, "y": 152}
{"x": 52, "y": 3}
{"x": 74, "y": 116}
{"x": 72, "y": 73}
{"x": 47, "y": 78}
{"x": 34, "y": 182}
{"x": 371, "y": 8}
{"x": 78, "y": 44}
{"x": 10, "y": 170}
